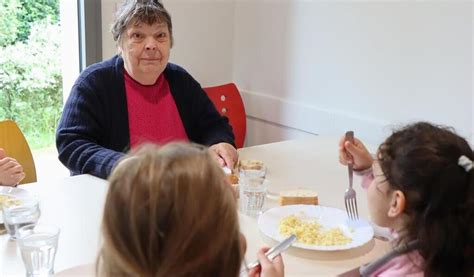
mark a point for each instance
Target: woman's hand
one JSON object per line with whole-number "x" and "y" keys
{"x": 224, "y": 153}
{"x": 11, "y": 172}
{"x": 267, "y": 268}
{"x": 354, "y": 153}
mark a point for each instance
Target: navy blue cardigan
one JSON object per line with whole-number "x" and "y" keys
{"x": 93, "y": 132}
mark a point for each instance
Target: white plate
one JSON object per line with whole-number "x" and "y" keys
{"x": 14, "y": 192}
{"x": 360, "y": 231}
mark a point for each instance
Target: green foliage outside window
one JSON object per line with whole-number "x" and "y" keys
{"x": 8, "y": 22}
{"x": 30, "y": 70}
{"x": 34, "y": 11}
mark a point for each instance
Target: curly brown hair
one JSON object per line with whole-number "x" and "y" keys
{"x": 169, "y": 212}
{"x": 421, "y": 160}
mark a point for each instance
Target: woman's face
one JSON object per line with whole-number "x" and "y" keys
{"x": 378, "y": 197}
{"x": 145, "y": 50}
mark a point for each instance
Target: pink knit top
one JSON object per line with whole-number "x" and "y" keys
{"x": 152, "y": 113}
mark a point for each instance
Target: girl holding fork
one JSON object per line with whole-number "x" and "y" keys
{"x": 421, "y": 185}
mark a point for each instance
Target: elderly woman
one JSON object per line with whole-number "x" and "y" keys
{"x": 138, "y": 97}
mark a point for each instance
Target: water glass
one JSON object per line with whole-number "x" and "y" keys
{"x": 252, "y": 195}
{"x": 16, "y": 216}
{"x": 253, "y": 171}
{"x": 38, "y": 244}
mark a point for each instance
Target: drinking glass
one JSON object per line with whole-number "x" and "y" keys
{"x": 38, "y": 244}
{"x": 15, "y": 216}
{"x": 252, "y": 195}
{"x": 254, "y": 171}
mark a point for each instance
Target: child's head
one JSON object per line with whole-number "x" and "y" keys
{"x": 169, "y": 212}
{"x": 422, "y": 191}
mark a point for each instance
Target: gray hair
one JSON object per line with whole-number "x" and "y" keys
{"x": 140, "y": 11}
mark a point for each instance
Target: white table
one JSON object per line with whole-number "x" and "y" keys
{"x": 75, "y": 204}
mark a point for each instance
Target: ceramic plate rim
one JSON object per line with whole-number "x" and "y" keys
{"x": 363, "y": 230}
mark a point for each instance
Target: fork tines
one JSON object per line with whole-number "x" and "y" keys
{"x": 351, "y": 208}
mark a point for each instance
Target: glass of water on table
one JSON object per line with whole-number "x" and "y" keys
{"x": 38, "y": 244}
{"x": 253, "y": 188}
{"x": 15, "y": 216}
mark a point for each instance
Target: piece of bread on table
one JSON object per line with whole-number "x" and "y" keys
{"x": 234, "y": 179}
{"x": 231, "y": 175}
{"x": 234, "y": 182}
{"x": 298, "y": 196}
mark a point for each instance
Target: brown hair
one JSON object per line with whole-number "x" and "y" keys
{"x": 169, "y": 212}
{"x": 138, "y": 11}
{"x": 421, "y": 160}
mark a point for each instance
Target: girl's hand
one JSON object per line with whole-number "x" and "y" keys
{"x": 11, "y": 172}
{"x": 355, "y": 153}
{"x": 267, "y": 268}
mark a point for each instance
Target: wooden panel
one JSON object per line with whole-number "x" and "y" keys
{"x": 16, "y": 146}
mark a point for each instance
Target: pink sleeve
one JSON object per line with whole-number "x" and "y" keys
{"x": 410, "y": 264}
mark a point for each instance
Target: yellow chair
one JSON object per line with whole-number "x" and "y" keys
{"x": 16, "y": 146}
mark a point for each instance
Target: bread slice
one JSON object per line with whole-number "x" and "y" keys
{"x": 233, "y": 178}
{"x": 298, "y": 196}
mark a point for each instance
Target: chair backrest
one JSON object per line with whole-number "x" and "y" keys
{"x": 16, "y": 146}
{"x": 228, "y": 102}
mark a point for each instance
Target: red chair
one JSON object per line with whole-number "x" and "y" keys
{"x": 228, "y": 102}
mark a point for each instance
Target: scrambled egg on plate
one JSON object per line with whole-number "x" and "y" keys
{"x": 311, "y": 232}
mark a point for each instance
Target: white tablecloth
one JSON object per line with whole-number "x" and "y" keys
{"x": 75, "y": 204}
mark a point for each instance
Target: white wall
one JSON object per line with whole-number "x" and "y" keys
{"x": 327, "y": 66}
{"x": 203, "y": 32}
{"x": 203, "y": 35}
{"x": 321, "y": 67}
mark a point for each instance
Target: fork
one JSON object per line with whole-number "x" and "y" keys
{"x": 272, "y": 252}
{"x": 350, "y": 200}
